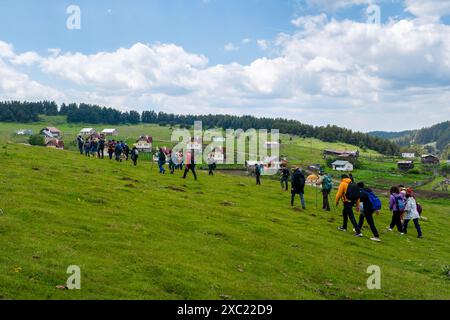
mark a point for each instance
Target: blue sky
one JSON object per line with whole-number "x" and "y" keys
{"x": 264, "y": 57}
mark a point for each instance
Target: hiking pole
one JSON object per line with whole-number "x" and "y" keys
{"x": 316, "y": 195}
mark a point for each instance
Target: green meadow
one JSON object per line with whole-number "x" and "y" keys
{"x": 136, "y": 234}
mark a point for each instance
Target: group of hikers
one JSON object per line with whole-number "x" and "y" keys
{"x": 177, "y": 161}
{"x": 95, "y": 146}
{"x": 402, "y": 201}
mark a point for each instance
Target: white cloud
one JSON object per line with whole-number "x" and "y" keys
{"x": 392, "y": 76}
{"x": 230, "y": 47}
{"x": 428, "y": 10}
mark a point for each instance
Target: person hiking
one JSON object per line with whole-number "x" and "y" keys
{"x": 298, "y": 186}
{"x": 80, "y": 142}
{"x": 118, "y": 150}
{"x": 370, "y": 205}
{"x": 349, "y": 194}
{"x": 258, "y": 171}
{"x": 101, "y": 148}
{"x": 126, "y": 151}
{"x": 211, "y": 165}
{"x": 134, "y": 155}
{"x": 411, "y": 214}
{"x": 327, "y": 185}
{"x": 397, "y": 205}
{"x": 94, "y": 147}
{"x": 161, "y": 161}
{"x": 87, "y": 148}
{"x": 172, "y": 161}
{"x": 419, "y": 206}
{"x": 111, "y": 147}
{"x": 285, "y": 174}
{"x": 190, "y": 165}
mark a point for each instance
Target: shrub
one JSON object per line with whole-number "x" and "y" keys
{"x": 36, "y": 140}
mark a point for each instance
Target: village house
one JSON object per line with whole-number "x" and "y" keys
{"x": 405, "y": 165}
{"x": 351, "y": 154}
{"x": 429, "y": 159}
{"x": 52, "y": 131}
{"x": 272, "y": 145}
{"x": 110, "y": 132}
{"x": 144, "y": 144}
{"x": 341, "y": 165}
{"x": 87, "y": 132}
{"x": 407, "y": 155}
{"x": 24, "y": 132}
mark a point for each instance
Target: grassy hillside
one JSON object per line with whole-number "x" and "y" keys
{"x": 140, "y": 235}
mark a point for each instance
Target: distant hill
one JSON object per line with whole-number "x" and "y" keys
{"x": 438, "y": 134}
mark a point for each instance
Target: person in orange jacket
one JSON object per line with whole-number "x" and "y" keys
{"x": 350, "y": 198}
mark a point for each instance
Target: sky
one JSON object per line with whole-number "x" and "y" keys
{"x": 360, "y": 64}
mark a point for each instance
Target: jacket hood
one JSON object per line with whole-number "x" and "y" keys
{"x": 347, "y": 180}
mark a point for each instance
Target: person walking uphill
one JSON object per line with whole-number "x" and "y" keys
{"x": 118, "y": 151}
{"x": 327, "y": 185}
{"x": 80, "y": 142}
{"x": 258, "y": 171}
{"x": 397, "y": 204}
{"x": 161, "y": 161}
{"x": 371, "y": 204}
{"x": 101, "y": 148}
{"x": 349, "y": 194}
{"x": 134, "y": 155}
{"x": 411, "y": 214}
{"x": 285, "y": 174}
{"x": 190, "y": 165}
{"x": 111, "y": 147}
{"x": 298, "y": 186}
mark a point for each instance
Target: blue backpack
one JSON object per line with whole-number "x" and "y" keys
{"x": 401, "y": 203}
{"x": 375, "y": 201}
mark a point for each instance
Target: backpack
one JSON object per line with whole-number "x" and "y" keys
{"x": 419, "y": 208}
{"x": 353, "y": 192}
{"x": 327, "y": 184}
{"x": 401, "y": 203}
{"x": 374, "y": 200}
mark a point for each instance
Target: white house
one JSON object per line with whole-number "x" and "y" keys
{"x": 408, "y": 155}
{"x": 52, "y": 131}
{"x": 272, "y": 145}
{"x": 24, "y": 132}
{"x": 341, "y": 165}
{"x": 87, "y": 132}
{"x": 110, "y": 132}
{"x": 218, "y": 139}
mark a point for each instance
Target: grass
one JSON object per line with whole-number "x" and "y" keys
{"x": 139, "y": 235}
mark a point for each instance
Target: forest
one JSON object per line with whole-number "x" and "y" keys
{"x": 16, "y": 111}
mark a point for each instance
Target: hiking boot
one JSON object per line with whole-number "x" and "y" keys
{"x": 420, "y": 237}
{"x": 375, "y": 239}
{"x": 342, "y": 229}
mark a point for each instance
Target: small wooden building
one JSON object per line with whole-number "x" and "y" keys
{"x": 52, "y": 131}
{"x": 87, "y": 132}
{"x": 429, "y": 159}
{"x": 405, "y": 165}
{"x": 110, "y": 132}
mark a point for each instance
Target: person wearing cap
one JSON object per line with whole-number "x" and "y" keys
{"x": 347, "y": 212}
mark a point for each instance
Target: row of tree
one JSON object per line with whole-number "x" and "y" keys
{"x": 16, "y": 111}
{"x": 94, "y": 114}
